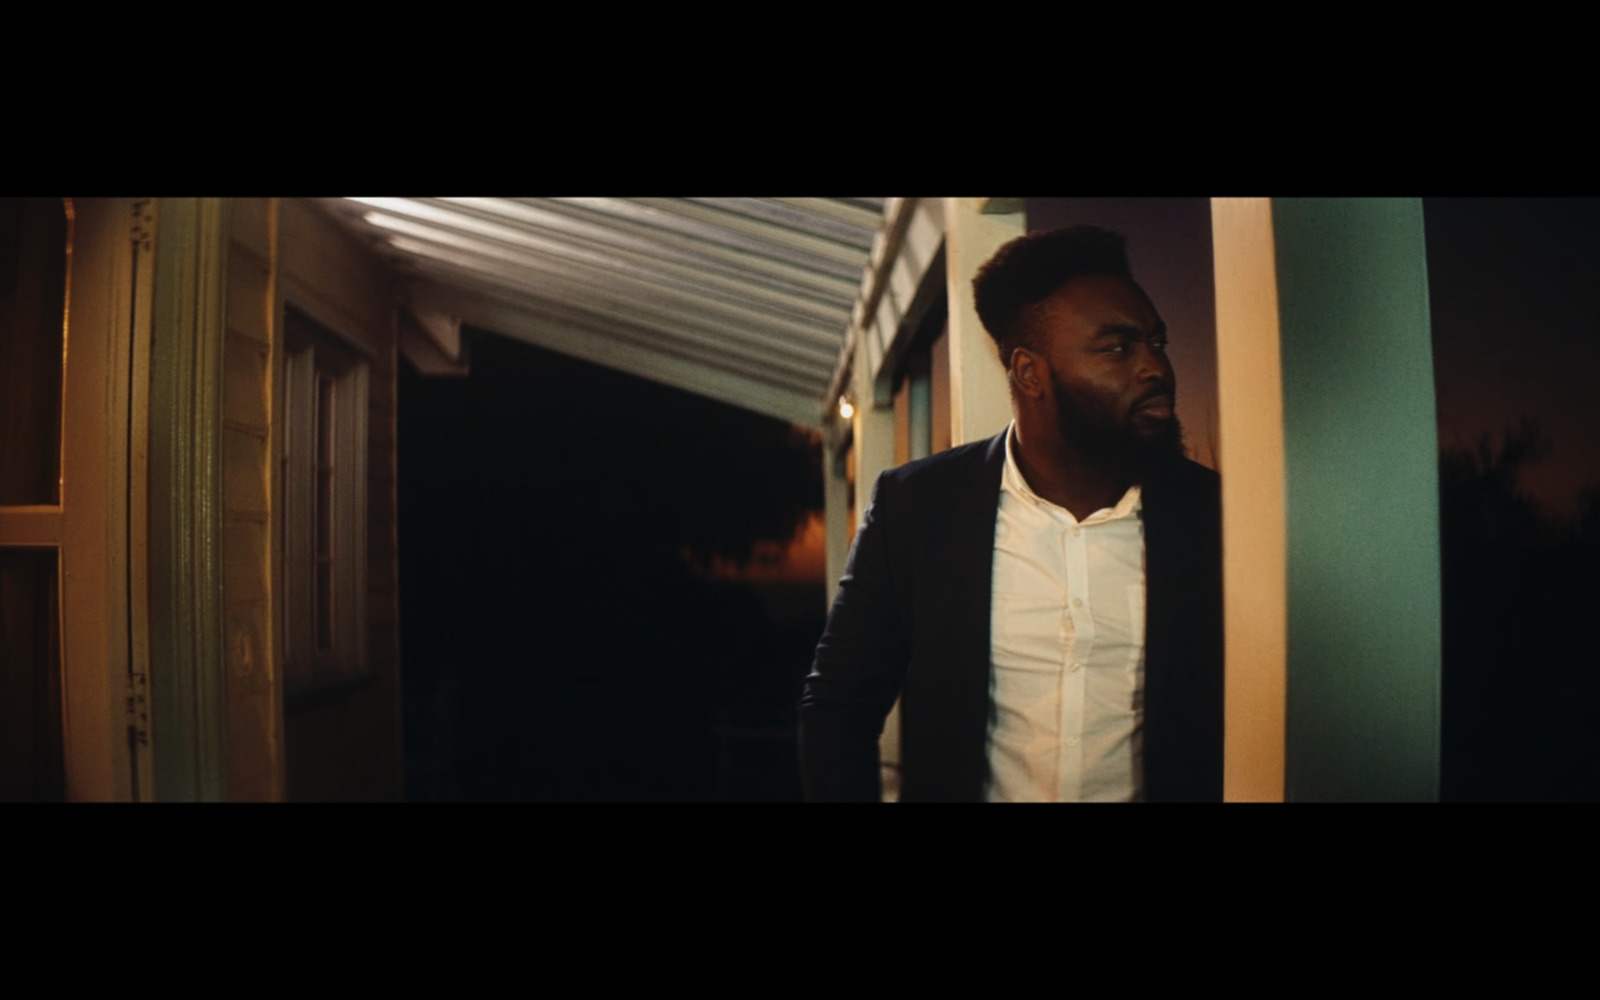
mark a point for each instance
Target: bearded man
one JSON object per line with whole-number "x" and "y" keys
{"x": 1047, "y": 604}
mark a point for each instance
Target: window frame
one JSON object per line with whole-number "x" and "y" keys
{"x": 322, "y": 366}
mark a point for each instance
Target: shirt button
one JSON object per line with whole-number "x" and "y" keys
{"x": 1076, "y": 531}
{"x": 1077, "y": 602}
{"x": 1072, "y": 741}
{"x": 1075, "y": 667}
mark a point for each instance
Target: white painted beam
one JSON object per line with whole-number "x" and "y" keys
{"x": 897, "y": 217}
{"x": 980, "y": 399}
{"x": 423, "y": 351}
{"x": 836, "y": 510}
{"x": 1250, "y": 426}
{"x": 441, "y": 328}
{"x": 916, "y": 282}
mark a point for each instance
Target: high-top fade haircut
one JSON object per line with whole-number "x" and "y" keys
{"x": 1028, "y": 269}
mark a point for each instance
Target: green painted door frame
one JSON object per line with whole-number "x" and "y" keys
{"x": 189, "y": 693}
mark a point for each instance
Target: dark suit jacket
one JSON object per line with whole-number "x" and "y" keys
{"x": 911, "y": 618}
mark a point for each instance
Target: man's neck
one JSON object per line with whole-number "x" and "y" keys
{"x": 1059, "y": 473}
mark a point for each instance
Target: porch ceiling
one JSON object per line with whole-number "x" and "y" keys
{"x": 747, "y": 300}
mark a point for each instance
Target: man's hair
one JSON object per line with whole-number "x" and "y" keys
{"x": 1029, "y": 268}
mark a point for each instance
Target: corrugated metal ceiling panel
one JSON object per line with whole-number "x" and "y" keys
{"x": 758, "y": 289}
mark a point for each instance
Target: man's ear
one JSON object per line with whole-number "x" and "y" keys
{"x": 1027, "y": 373}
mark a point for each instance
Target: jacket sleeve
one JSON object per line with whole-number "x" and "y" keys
{"x": 859, "y": 667}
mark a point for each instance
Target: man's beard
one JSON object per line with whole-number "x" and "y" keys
{"x": 1113, "y": 444}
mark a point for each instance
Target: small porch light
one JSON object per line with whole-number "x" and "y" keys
{"x": 845, "y": 409}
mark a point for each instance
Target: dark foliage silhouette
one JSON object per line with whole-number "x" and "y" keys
{"x": 1519, "y": 591}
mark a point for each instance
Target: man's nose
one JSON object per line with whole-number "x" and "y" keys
{"x": 1154, "y": 365}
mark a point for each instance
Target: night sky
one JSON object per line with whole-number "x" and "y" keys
{"x": 1516, "y": 329}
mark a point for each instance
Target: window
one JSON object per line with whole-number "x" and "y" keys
{"x": 35, "y": 255}
{"x": 324, "y": 457}
{"x": 922, "y": 394}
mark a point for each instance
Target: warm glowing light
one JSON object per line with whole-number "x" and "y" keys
{"x": 845, "y": 409}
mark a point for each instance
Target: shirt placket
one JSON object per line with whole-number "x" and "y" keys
{"x": 1077, "y": 642}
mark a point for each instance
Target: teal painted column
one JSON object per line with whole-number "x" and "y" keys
{"x": 1361, "y": 500}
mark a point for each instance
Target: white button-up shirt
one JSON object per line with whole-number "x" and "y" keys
{"x": 1067, "y": 649}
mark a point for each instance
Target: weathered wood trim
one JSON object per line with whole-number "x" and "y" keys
{"x": 278, "y": 783}
{"x": 37, "y": 526}
{"x": 185, "y": 496}
{"x": 898, "y": 214}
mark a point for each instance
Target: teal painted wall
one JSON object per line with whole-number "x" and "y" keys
{"x": 1362, "y": 500}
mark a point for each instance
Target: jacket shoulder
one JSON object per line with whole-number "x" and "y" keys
{"x": 1185, "y": 492}
{"x": 1187, "y": 477}
{"x": 1196, "y": 476}
{"x": 951, "y": 465}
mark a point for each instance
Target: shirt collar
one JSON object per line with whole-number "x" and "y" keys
{"x": 1013, "y": 482}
